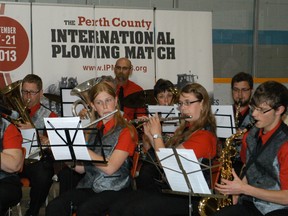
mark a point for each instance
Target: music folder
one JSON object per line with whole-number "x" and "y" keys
{"x": 174, "y": 162}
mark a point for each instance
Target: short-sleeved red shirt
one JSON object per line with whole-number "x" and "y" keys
{"x": 125, "y": 141}
{"x": 203, "y": 142}
{"x": 12, "y": 138}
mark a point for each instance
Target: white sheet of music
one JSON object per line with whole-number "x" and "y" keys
{"x": 225, "y": 120}
{"x": 174, "y": 174}
{"x": 58, "y": 137}
{"x": 30, "y": 142}
{"x": 166, "y": 111}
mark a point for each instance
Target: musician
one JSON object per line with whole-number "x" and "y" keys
{"x": 11, "y": 161}
{"x": 123, "y": 70}
{"x": 165, "y": 95}
{"x": 109, "y": 80}
{"x": 242, "y": 88}
{"x": 197, "y": 133}
{"x": 39, "y": 173}
{"x": 68, "y": 180}
{"x": 97, "y": 189}
{"x": 263, "y": 190}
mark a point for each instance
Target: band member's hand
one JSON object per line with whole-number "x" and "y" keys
{"x": 26, "y": 125}
{"x": 228, "y": 187}
{"x": 44, "y": 140}
{"x": 155, "y": 125}
{"x": 83, "y": 114}
{"x": 235, "y": 199}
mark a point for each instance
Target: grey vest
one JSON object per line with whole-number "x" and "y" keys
{"x": 3, "y": 126}
{"x": 41, "y": 113}
{"x": 95, "y": 178}
{"x": 264, "y": 172}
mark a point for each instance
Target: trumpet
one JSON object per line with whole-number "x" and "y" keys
{"x": 141, "y": 121}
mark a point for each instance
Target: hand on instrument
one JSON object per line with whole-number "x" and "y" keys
{"x": 228, "y": 187}
{"x": 44, "y": 140}
{"x": 83, "y": 113}
{"x": 26, "y": 125}
{"x": 154, "y": 125}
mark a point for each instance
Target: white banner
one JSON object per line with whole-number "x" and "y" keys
{"x": 72, "y": 44}
{"x": 15, "y": 42}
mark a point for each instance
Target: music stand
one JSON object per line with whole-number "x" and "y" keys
{"x": 68, "y": 143}
{"x": 184, "y": 173}
{"x": 225, "y": 120}
{"x": 166, "y": 112}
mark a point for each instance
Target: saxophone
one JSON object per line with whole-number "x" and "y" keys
{"x": 208, "y": 205}
{"x": 237, "y": 113}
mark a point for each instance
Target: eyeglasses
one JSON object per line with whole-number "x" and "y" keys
{"x": 119, "y": 68}
{"x": 237, "y": 90}
{"x": 260, "y": 110}
{"x": 107, "y": 101}
{"x": 26, "y": 92}
{"x": 187, "y": 103}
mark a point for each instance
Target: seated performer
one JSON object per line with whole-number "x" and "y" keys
{"x": 39, "y": 173}
{"x": 165, "y": 95}
{"x": 263, "y": 190}
{"x": 11, "y": 161}
{"x": 197, "y": 133}
{"x": 97, "y": 189}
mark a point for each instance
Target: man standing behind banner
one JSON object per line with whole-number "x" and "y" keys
{"x": 123, "y": 69}
{"x": 41, "y": 172}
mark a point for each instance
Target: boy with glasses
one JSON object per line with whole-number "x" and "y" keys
{"x": 262, "y": 188}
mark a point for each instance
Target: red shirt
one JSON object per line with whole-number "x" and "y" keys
{"x": 12, "y": 138}
{"x": 130, "y": 88}
{"x": 282, "y": 154}
{"x": 203, "y": 143}
{"x": 125, "y": 141}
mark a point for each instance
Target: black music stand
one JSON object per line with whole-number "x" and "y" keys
{"x": 68, "y": 136}
{"x": 224, "y": 115}
{"x": 185, "y": 174}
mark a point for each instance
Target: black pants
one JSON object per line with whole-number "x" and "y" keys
{"x": 151, "y": 203}
{"x": 10, "y": 193}
{"x": 85, "y": 202}
{"x": 247, "y": 209}
{"x": 68, "y": 179}
{"x": 40, "y": 175}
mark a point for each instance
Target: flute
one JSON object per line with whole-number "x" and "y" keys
{"x": 141, "y": 121}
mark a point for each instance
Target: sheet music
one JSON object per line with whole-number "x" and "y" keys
{"x": 225, "y": 120}
{"x": 30, "y": 142}
{"x": 166, "y": 111}
{"x": 174, "y": 174}
{"x": 63, "y": 152}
